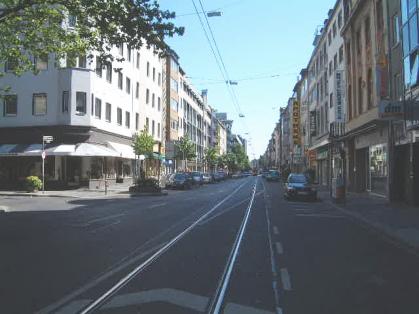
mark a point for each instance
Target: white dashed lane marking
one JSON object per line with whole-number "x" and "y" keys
{"x": 279, "y": 248}
{"x": 285, "y": 279}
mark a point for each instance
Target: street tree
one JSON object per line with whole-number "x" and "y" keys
{"x": 143, "y": 144}
{"x": 31, "y": 29}
{"x": 186, "y": 149}
{"x": 211, "y": 157}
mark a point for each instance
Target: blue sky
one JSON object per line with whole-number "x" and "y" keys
{"x": 256, "y": 39}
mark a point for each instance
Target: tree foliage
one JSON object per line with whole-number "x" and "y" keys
{"x": 35, "y": 28}
{"x": 143, "y": 143}
{"x": 236, "y": 160}
{"x": 211, "y": 156}
{"x": 186, "y": 149}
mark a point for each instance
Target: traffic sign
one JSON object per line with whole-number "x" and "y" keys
{"x": 47, "y": 138}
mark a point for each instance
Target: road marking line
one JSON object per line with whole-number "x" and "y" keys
{"x": 279, "y": 248}
{"x": 157, "y": 205}
{"x": 217, "y": 301}
{"x": 121, "y": 283}
{"x": 91, "y": 222}
{"x": 105, "y": 227}
{"x": 285, "y": 279}
{"x": 275, "y": 229}
{"x": 224, "y": 211}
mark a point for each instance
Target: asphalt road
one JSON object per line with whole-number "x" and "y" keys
{"x": 233, "y": 247}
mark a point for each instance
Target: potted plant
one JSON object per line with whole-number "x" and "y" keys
{"x": 33, "y": 184}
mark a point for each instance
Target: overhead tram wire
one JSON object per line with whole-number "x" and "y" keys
{"x": 225, "y": 73}
{"x": 220, "y": 66}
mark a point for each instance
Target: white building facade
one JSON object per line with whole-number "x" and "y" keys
{"x": 91, "y": 110}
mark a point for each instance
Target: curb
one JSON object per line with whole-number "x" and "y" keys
{"x": 163, "y": 193}
{"x": 380, "y": 229}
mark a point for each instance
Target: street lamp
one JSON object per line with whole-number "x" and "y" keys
{"x": 45, "y": 139}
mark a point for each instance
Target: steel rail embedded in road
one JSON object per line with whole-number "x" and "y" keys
{"x": 109, "y": 293}
{"x": 217, "y": 301}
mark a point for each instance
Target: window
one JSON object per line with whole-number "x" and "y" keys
{"x": 147, "y": 96}
{"x": 137, "y": 121}
{"x": 127, "y": 119}
{"x": 396, "y": 29}
{"x": 360, "y": 96}
{"x": 152, "y": 100}
{"x": 331, "y": 100}
{"x": 410, "y": 41}
{"x": 128, "y": 85}
{"x": 159, "y": 79}
{"x": 138, "y": 60}
{"x": 174, "y": 65}
{"x": 335, "y": 62}
{"x": 64, "y": 102}
{"x": 108, "y": 113}
{"x": 147, "y": 124}
{"x": 82, "y": 62}
{"x": 120, "y": 81}
{"x": 129, "y": 52}
{"x": 341, "y": 54}
{"x": 121, "y": 49}
{"x": 369, "y": 88}
{"x": 41, "y": 63}
{"x": 11, "y": 65}
{"x": 174, "y": 104}
{"x": 158, "y": 103}
{"x": 137, "y": 90}
{"x": 81, "y": 102}
{"x": 39, "y": 104}
{"x": 98, "y": 67}
{"x": 92, "y": 104}
{"x": 109, "y": 72}
{"x": 152, "y": 128}
{"x": 119, "y": 116}
{"x": 334, "y": 30}
{"x": 330, "y": 68}
{"x": 10, "y": 105}
{"x": 148, "y": 69}
{"x": 154, "y": 74}
{"x": 98, "y": 108}
{"x": 158, "y": 129}
{"x": 72, "y": 20}
{"x": 340, "y": 19}
{"x": 174, "y": 84}
{"x": 367, "y": 32}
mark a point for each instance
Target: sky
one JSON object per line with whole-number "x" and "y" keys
{"x": 264, "y": 45}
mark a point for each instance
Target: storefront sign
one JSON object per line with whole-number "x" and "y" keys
{"x": 296, "y": 123}
{"x": 313, "y": 123}
{"x": 412, "y": 113}
{"x": 339, "y": 114}
{"x": 322, "y": 153}
{"x": 390, "y": 110}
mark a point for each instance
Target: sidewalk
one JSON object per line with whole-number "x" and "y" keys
{"x": 77, "y": 193}
{"x": 398, "y": 222}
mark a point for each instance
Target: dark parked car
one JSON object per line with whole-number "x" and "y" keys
{"x": 273, "y": 175}
{"x": 197, "y": 177}
{"x": 182, "y": 180}
{"x": 298, "y": 185}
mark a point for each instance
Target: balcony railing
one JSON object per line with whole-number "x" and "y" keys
{"x": 337, "y": 129}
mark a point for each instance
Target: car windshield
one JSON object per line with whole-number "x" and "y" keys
{"x": 180, "y": 176}
{"x": 196, "y": 174}
{"x": 297, "y": 179}
{"x": 274, "y": 172}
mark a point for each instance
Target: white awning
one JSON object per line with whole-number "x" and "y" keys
{"x": 93, "y": 150}
{"x": 124, "y": 151}
{"x": 320, "y": 144}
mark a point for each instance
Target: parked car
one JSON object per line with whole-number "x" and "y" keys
{"x": 298, "y": 185}
{"x": 197, "y": 177}
{"x": 207, "y": 178}
{"x": 182, "y": 180}
{"x": 217, "y": 177}
{"x": 222, "y": 175}
{"x": 265, "y": 173}
{"x": 273, "y": 175}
